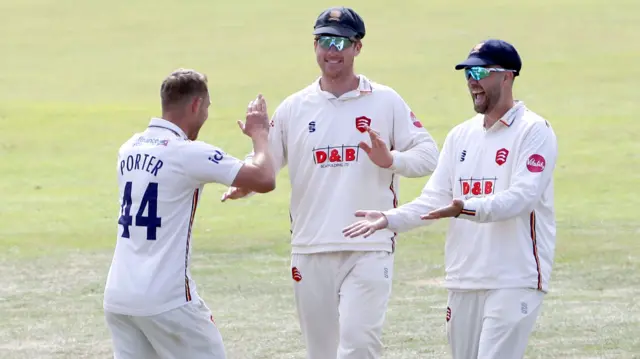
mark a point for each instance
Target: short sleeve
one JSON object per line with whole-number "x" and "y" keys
{"x": 209, "y": 164}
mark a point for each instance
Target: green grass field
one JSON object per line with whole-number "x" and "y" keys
{"x": 79, "y": 77}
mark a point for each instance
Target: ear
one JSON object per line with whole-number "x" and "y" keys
{"x": 195, "y": 104}
{"x": 357, "y": 48}
{"x": 315, "y": 44}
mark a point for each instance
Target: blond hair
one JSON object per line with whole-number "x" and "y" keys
{"x": 181, "y": 85}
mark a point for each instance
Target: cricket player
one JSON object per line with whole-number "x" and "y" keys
{"x": 495, "y": 181}
{"x": 151, "y": 304}
{"x": 337, "y": 164}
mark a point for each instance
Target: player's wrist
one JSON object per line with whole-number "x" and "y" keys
{"x": 259, "y": 134}
{"x": 395, "y": 161}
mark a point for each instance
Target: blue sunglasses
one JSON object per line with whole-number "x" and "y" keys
{"x": 340, "y": 43}
{"x": 479, "y": 73}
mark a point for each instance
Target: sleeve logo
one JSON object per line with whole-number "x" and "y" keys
{"x": 536, "y": 163}
{"x": 217, "y": 157}
{"x": 415, "y": 120}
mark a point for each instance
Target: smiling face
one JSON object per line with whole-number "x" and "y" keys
{"x": 487, "y": 86}
{"x": 335, "y": 55}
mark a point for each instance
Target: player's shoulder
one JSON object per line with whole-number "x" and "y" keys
{"x": 532, "y": 118}
{"x": 470, "y": 124}
{"x": 130, "y": 142}
{"x": 293, "y": 102}
{"x": 189, "y": 146}
{"x": 300, "y": 95}
{"x": 379, "y": 89}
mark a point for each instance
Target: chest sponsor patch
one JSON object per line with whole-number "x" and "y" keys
{"x": 335, "y": 156}
{"x": 478, "y": 186}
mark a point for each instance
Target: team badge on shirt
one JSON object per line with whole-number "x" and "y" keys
{"x": 501, "y": 156}
{"x": 362, "y": 122}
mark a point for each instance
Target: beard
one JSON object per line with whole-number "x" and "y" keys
{"x": 486, "y": 101}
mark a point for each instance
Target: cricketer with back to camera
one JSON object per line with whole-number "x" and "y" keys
{"x": 151, "y": 304}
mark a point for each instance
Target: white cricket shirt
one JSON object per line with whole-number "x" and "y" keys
{"x": 161, "y": 175}
{"x": 317, "y": 136}
{"x": 505, "y": 236}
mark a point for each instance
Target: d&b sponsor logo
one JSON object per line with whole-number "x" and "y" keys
{"x": 335, "y": 156}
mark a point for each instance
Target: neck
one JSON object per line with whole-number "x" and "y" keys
{"x": 491, "y": 117}
{"x": 177, "y": 120}
{"x": 340, "y": 85}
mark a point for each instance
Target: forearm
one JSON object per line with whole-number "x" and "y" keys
{"x": 261, "y": 157}
{"x": 518, "y": 200}
{"x": 418, "y": 161}
{"x": 407, "y": 216}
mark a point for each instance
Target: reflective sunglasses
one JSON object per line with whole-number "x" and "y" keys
{"x": 478, "y": 73}
{"x": 340, "y": 43}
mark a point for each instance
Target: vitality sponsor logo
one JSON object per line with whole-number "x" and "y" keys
{"x": 335, "y": 156}
{"x": 415, "y": 120}
{"x": 536, "y": 163}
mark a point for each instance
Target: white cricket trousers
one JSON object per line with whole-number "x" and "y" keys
{"x": 185, "y": 332}
{"x": 491, "y": 324}
{"x": 341, "y": 300}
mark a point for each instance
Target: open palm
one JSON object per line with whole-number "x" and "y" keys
{"x": 372, "y": 222}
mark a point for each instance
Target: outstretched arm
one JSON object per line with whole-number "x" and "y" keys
{"x": 437, "y": 192}
{"x": 206, "y": 163}
{"x": 532, "y": 173}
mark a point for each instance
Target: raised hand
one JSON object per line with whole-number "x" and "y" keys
{"x": 257, "y": 119}
{"x": 378, "y": 152}
{"x": 372, "y": 222}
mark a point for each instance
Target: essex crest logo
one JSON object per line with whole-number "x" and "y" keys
{"x": 295, "y": 274}
{"x": 501, "y": 156}
{"x": 362, "y": 122}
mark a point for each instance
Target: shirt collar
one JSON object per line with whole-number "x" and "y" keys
{"x": 364, "y": 88}
{"x": 507, "y": 119}
{"x": 162, "y": 123}
{"x": 510, "y": 116}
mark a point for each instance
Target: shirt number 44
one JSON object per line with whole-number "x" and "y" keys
{"x": 477, "y": 186}
{"x": 149, "y": 204}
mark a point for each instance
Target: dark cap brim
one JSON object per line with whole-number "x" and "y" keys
{"x": 335, "y": 30}
{"x": 474, "y": 61}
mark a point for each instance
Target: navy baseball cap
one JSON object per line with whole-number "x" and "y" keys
{"x": 340, "y": 21}
{"x": 493, "y": 52}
